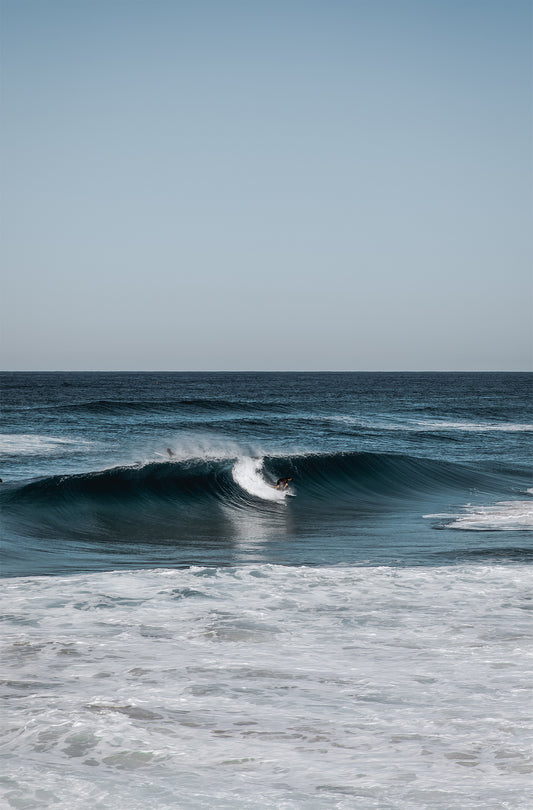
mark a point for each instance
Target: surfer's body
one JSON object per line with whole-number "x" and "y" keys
{"x": 282, "y": 483}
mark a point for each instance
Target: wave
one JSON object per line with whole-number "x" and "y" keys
{"x": 212, "y": 501}
{"x": 319, "y": 481}
{"x": 209, "y": 508}
{"x": 199, "y": 404}
{"x": 248, "y": 474}
{"x": 397, "y": 424}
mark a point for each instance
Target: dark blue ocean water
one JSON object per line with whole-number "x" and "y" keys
{"x": 204, "y": 640}
{"x": 402, "y": 469}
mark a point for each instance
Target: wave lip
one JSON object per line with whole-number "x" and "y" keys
{"x": 247, "y": 473}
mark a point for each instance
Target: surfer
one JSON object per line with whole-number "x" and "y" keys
{"x": 169, "y": 451}
{"x": 282, "y": 483}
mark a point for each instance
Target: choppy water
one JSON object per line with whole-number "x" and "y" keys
{"x": 179, "y": 633}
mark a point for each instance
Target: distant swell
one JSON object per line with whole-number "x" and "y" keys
{"x": 177, "y": 406}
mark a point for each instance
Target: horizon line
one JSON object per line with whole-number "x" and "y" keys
{"x": 265, "y": 371}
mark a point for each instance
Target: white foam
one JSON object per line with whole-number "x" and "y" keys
{"x": 477, "y": 427}
{"x": 24, "y": 444}
{"x": 269, "y": 687}
{"x": 380, "y": 422}
{"x": 196, "y": 447}
{"x": 202, "y": 447}
{"x": 502, "y": 516}
{"x": 505, "y": 515}
{"x": 247, "y": 473}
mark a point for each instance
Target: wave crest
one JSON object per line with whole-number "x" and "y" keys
{"x": 330, "y": 477}
{"x": 247, "y": 472}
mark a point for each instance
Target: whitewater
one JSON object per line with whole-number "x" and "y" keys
{"x": 178, "y": 633}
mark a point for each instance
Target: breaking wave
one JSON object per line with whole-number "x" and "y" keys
{"x": 326, "y": 476}
{"x": 188, "y": 509}
{"x": 322, "y": 484}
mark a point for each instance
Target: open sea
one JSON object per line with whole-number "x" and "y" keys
{"x": 178, "y": 633}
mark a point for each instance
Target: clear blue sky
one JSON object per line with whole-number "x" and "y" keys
{"x": 294, "y": 184}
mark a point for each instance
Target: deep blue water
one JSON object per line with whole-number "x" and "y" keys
{"x": 400, "y": 469}
{"x": 357, "y": 640}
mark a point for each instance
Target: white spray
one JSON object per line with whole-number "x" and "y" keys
{"x": 247, "y": 474}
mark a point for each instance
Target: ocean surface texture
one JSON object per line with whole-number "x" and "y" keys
{"x": 178, "y": 633}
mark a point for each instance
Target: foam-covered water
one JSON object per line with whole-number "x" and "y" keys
{"x": 501, "y": 516}
{"x": 270, "y": 686}
{"x": 247, "y": 473}
{"x": 476, "y": 427}
{"x": 28, "y": 444}
{"x": 178, "y": 633}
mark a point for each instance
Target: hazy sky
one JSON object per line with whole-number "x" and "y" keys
{"x": 254, "y": 184}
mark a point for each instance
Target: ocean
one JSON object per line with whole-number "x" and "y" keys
{"x": 180, "y": 633}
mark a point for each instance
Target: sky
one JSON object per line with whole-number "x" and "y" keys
{"x": 266, "y": 185}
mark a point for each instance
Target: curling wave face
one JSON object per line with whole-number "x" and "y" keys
{"x": 331, "y": 478}
{"x": 189, "y": 507}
